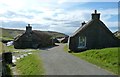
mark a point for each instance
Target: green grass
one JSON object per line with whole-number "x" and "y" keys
{"x": 12, "y": 49}
{"x": 10, "y": 33}
{"x": 30, "y": 65}
{"x": 119, "y": 37}
{"x": 1, "y": 47}
{"x": 6, "y": 38}
{"x": 66, "y": 48}
{"x": 106, "y": 58}
{"x": 4, "y": 48}
{"x": 8, "y": 48}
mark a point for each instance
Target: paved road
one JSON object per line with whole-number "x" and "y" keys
{"x": 58, "y": 62}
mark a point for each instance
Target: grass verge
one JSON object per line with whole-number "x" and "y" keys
{"x": 106, "y": 58}
{"x": 30, "y": 65}
{"x": 66, "y": 48}
{"x": 1, "y": 47}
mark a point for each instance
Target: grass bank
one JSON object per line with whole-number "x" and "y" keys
{"x": 106, "y": 58}
{"x": 30, "y": 65}
{"x": 1, "y": 47}
{"x": 4, "y": 48}
{"x": 66, "y": 48}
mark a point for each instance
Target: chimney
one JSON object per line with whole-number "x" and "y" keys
{"x": 95, "y": 16}
{"x": 83, "y": 23}
{"x": 28, "y": 29}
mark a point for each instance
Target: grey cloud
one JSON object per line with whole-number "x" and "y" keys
{"x": 14, "y": 24}
{"x": 22, "y": 24}
{"x": 40, "y": 26}
{"x": 54, "y": 24}
{"x": 56, "y": 20}
{"x": 56, "y": 14}
{"x": 35, "y": 11}
{"x": 72, "y": 24}
{"x": 10, "y": 14}
{"x": 31, "y": 11}
{"x": 65, "y": 23}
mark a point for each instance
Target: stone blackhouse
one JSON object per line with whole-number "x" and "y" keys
{"x": 92, "y": 35}
{"x": 32, "y": 39}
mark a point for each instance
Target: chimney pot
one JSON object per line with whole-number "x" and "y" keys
{"x": 95, "y": 11}
{"x": 83, "y": 23}
{"x": 95, "y": 15}
{"x": 28, "y": 29}
{"x": 28, "y": 24}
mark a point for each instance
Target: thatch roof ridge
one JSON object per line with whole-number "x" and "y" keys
{"x": 82, "y": 27}
{"x": 39, "y": 34}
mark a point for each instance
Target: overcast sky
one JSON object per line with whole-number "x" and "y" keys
{"x": 63, "y": 16}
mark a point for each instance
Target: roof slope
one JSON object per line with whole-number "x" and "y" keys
{"x": 82, "y": 27}
{"x": 38, "y": 34}
{"x": 95, "y": 19}
{"x": 85, "y": 26}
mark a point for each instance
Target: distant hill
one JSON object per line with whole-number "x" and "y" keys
{"x": 55, "y": 34}
{"x": 9, "y": 34}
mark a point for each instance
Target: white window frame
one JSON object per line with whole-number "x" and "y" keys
{"x": 79, "y": 40}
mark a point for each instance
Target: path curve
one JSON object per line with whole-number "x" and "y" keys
{"x": 58, "y": 62}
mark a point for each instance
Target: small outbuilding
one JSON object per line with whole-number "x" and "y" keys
{"x": 65, "y": 40}
{"x": 92, "y": 35}
{"x": 32, "y": 39}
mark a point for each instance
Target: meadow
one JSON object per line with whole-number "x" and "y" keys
{"x": 106, "y": 58}
{"x": 30, "y": 65}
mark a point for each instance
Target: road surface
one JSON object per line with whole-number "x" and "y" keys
{"x": 58, "y": 62}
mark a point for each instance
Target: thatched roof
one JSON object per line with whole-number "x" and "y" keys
{"x": 35, "y": 38}
{"x": 90, "y": 23}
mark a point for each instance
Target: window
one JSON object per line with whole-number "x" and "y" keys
{"x": 81, "y": 42}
